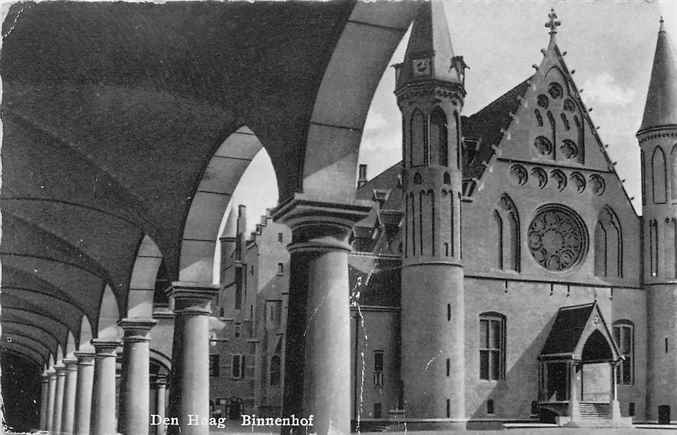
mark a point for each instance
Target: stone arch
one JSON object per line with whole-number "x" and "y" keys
{"x": 143, "y": 277}
{"x": 71, "y": 345}
{"x": 85, "y": 334}
{"x": 109, "y": 314}
{"x": 371, "y": 34}
{"x": 659, "y": 182}
{"x": 597, "y": 348}
{"x": 58, "y": 356}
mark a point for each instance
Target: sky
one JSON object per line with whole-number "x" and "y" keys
{"x": 609, "y": 44}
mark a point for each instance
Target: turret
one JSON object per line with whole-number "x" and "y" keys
{"x": 228, "y": 242}
{"x": 657, "y": 138}
{"x": 430, "y": 92}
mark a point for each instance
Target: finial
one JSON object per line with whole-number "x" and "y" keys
{"x": 661, "y": 27}
{"x": 552, "y": 23}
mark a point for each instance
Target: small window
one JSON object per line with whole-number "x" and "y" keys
{"x": 275, "y": 370}
{"x": 492, "y": 346}
{"x": 534, "y": 408}
{"x": 280, "y": 237}
{"x": 251, "y": 270}
{"x": 280, "y": 268}
{"x": 448, "y": 367}
{"x": 448, "y": 408}
{"x": 446, "y": 178}
{"x": 667, "y": 348}
{"x": 490, "y": 406}
{"x": 214, "y": 365}
{"x": 237, "y": 366}
{"x": 377, "y": 410}
{"x": 624, "y": 337}
{"x": 238, "y": 331}
{"x": 449, "y": 312}
{"x": 378, "y": 367}
{"x": 631, "y": 409}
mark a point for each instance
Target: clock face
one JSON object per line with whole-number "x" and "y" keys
{"x": 421, "y": 67}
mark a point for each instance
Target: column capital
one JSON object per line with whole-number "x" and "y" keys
{"x": 60, "y": 369}
{"x": 105, "y": 347}
{"x": 85, "y": 358}
{"x": 192, "y": 297}
{"x": 70, "y": 364}
{"x": 136, "y": 329}
{"x": 160, "y": 380}
{"x": 320, "y": 225}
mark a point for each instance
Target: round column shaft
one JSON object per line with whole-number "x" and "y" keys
{"x": 44, "y": 400}
{"x": 51, "y": 396}
{"x": 58, "y": 397}
{"x": 135, "y": 382}
{"x": 103, "y": 394}
{"x": 160, "y": 402}
{"x": 83, "y": 396}
{"x": 317, "y": 367}
{"x": 189, "y": 398}
{"x": 70, "y": 387}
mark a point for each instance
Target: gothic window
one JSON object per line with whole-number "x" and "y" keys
{"x": 539, "y": 118}
{"x": 643, "y": 175}
{"x": 492, "y": 346}
{"x": 457, "y": 120}
{"x": 608, "y": 245}
{"x": 447, "y": 178}
{"x": 653, "y": 247}
{"x": 658, "y": 176}
{"x": 555, "y": 90}
{"x": 275, "y": 370}
{"x": 432, "y": 221}
{"x": 624, "y": 336}
{"x": 569, "y": 105}
{"x": 557, "y": 237}
{"x": 237, "y": 366}
{"x": 542, "y": 101}
{"x": 543, "y": 145}
{"x": 419, "y": 139}
{"x": 508, "y": 234}
{"x": 565, "y": 121}
{"x": 417, "y": 178}
{"x": 673, "y": 172}
{"x": 412, "y": 201}
{"x": 439, "y": 136}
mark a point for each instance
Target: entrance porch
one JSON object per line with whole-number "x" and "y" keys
{"x": 577, "y": 379}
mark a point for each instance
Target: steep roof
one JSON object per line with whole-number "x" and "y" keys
{"x": 487, "y": 126}
{"x": 430, "y": 39}
{"x": 567, "y": 329}
{"x": 661, "y": 100}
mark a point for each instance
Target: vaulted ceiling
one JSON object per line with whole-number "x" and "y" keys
{"x": 112, "y": 112}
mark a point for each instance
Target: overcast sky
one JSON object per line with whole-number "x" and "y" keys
{"x": 609, "y": 44}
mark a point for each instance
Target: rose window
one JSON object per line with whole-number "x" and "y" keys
{"x": 557, "y": 238}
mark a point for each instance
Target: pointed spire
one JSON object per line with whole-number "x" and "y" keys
{"x": 552, "y": 23}
{"x": 430, "y": 54}
{"x": 661, "y": 100}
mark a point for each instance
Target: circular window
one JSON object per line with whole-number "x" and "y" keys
{"x": 557, "y": 236}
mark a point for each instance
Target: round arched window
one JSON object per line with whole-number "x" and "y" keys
{"x": 558, "y": 239}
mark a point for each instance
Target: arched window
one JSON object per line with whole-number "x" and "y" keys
{"x": 673, "y": 172}
{"x": 419, "y": 139}
{"x": 499, "y": 239}
{"x": 509, "y": 233}
{"x": 539, "y": 118}
{"x": 624, "y": 335}
{"x": 653, "y": 247}
{"x": 446, "y": 178}
{"x": 492, "y": 346}
{"x": 643, "y": 175}
{"x": 658, "y": 176}
{"x": 439, "y": 136}
{"x": 457, "y": 120}
{"x": 275, "y": 370}
{"x": 608, "y": 244}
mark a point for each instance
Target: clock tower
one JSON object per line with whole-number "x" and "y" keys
{"x": 430, "y": 92}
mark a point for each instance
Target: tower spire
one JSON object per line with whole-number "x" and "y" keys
{"x": 430, "y": 53}
{"x": 661, "y": 100}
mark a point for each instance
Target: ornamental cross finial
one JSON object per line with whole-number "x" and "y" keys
{"x": 553, "y": 23}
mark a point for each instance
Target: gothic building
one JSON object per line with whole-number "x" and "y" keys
{"x": 501, "y": 274}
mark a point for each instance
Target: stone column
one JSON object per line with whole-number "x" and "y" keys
{"x": 317, "y": 366}
{"x": 58, "y": 397}
{"x": 83, "y": 396}
{"x": 68, "y": 412}
{"x": 51, "y": 397}
{"x": 135, "y": 382}
{"x": 160, "y": 404}
{"x": 44, "y": 399}
{"x": 103, "y": 392}
{"x": 189, "y": 394}
{"x": 574, "y": 409}
{"x": 614, "y": 406}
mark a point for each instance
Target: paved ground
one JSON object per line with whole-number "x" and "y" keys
{"x": 644, "y": 430}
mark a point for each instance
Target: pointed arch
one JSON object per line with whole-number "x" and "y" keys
{"x": 70, "y": 345}
{"x": 439, "y": 136}
{"x": 109, "y": 314}
{"x": 85, "y": 334}
{"x": 143, "y": 278}
{"x": 608, "y": 244}
{"x": 508, "y": 217}
{"x": 418, "y": 142}
{"x": 673, "y": 173}
{"x": 499, "y": 238}
{"x": 659, "y": 182}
